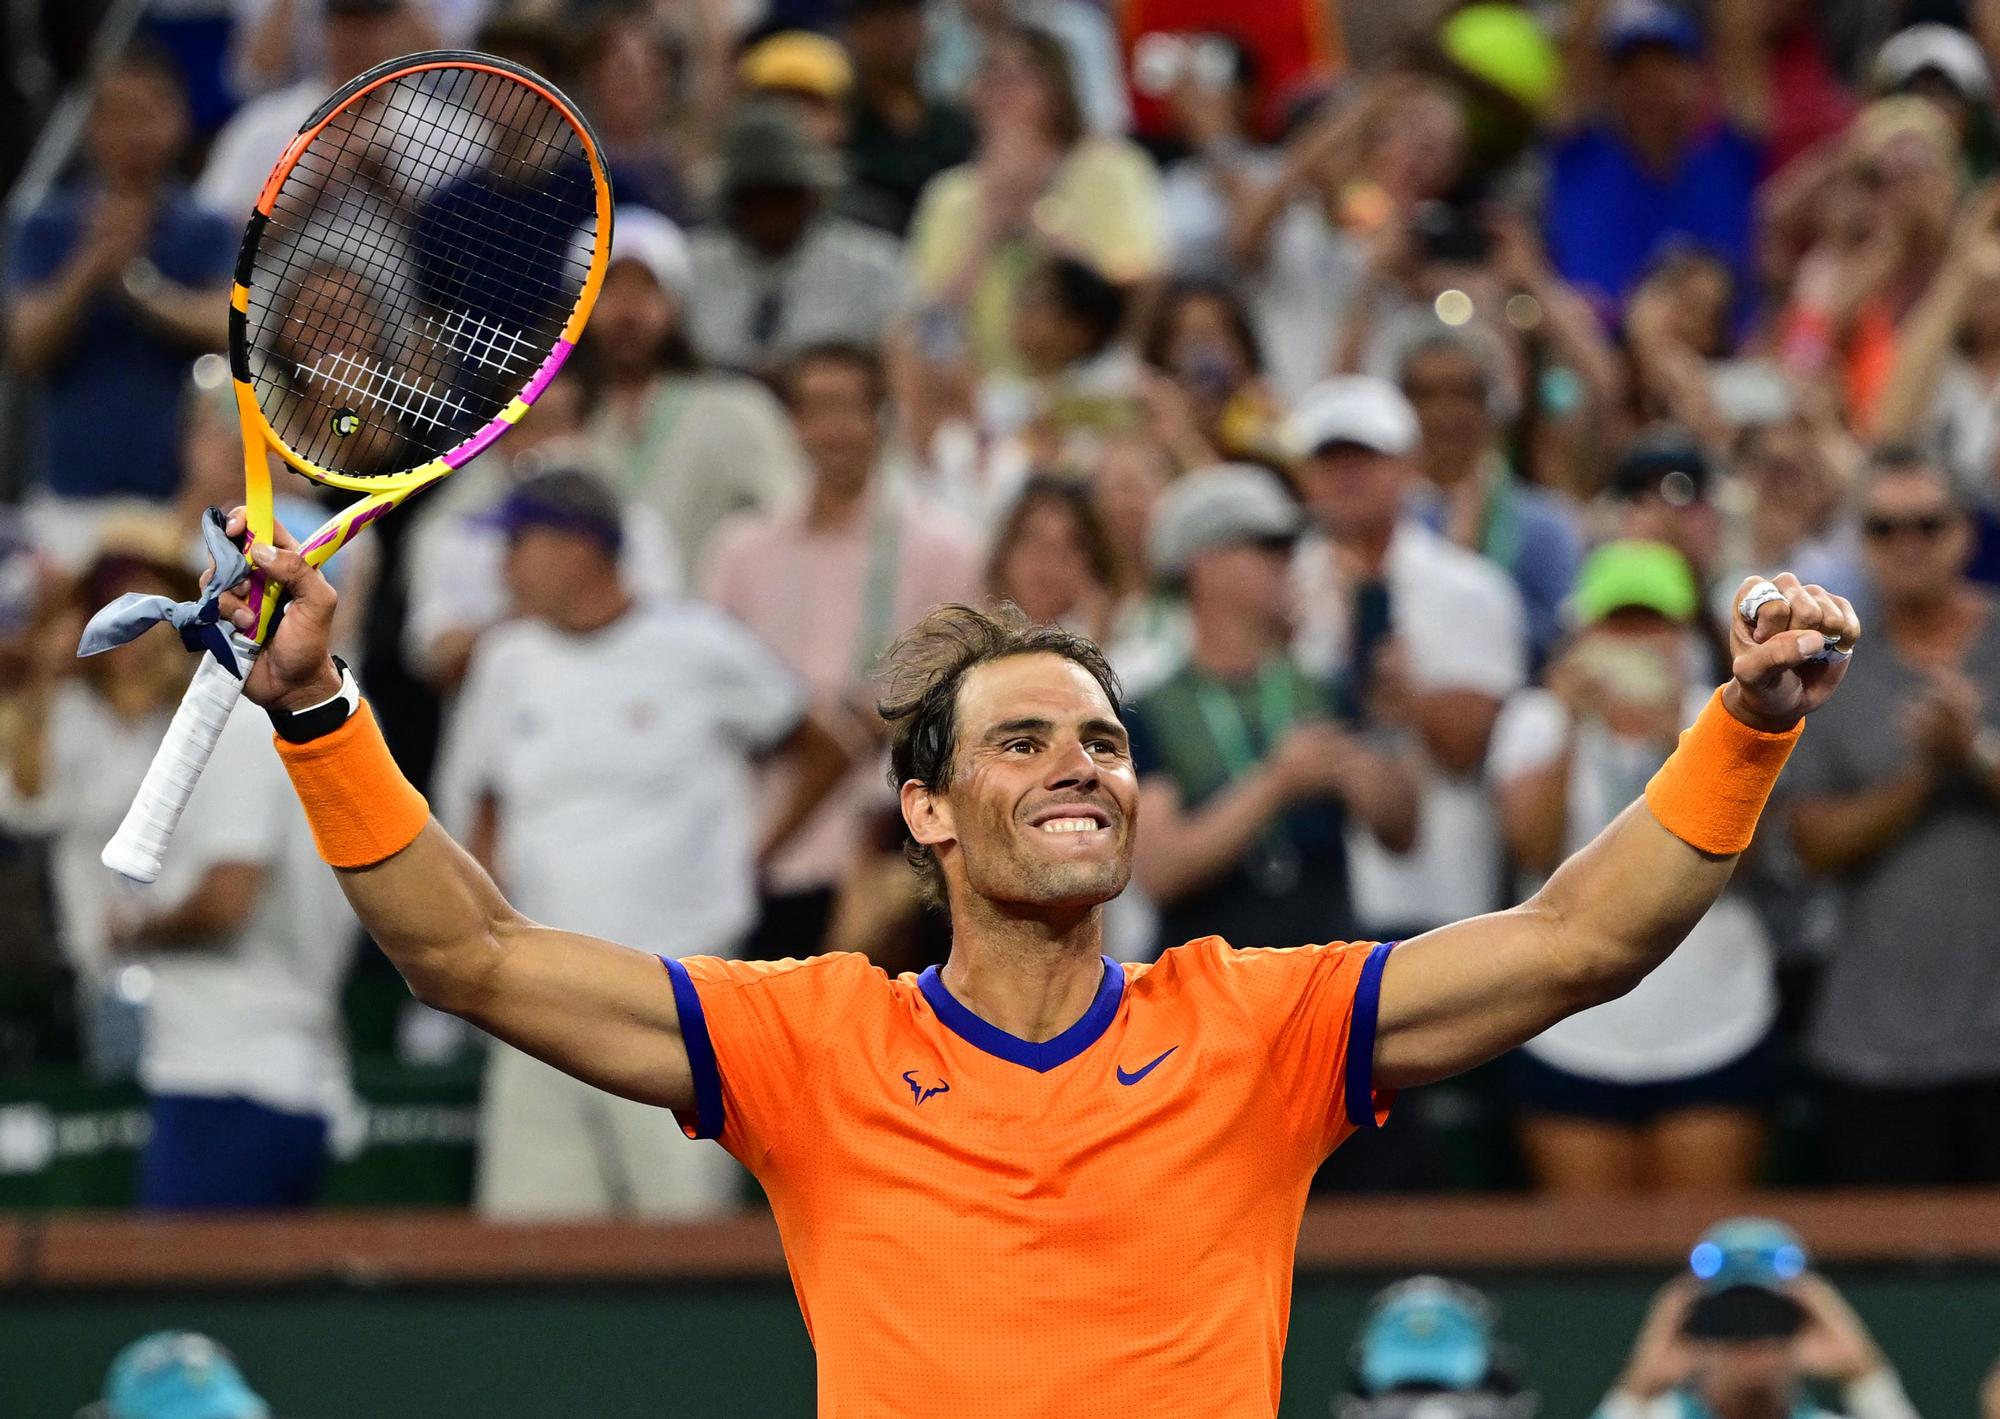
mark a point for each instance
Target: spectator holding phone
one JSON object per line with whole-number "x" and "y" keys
{"x": 1741, "y": 1333}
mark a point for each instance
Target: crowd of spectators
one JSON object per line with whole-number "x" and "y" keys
{"x": 1398, "y": 393}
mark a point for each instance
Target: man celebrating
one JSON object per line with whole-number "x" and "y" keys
{"x": 1036, "y": 1182}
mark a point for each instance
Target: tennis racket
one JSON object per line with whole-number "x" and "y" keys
{"x": 420, "y": 263}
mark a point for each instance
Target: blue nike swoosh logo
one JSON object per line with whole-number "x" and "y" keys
{"x": 1136, "y": 1075}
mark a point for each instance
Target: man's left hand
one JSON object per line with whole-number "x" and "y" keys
{"x": 1777, "y": 658}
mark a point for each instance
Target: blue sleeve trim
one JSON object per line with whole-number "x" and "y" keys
{"x": 1361, "y": 1038}
{"x": 700, "y": 1051}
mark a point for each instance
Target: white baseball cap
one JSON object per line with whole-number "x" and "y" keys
{"x": 656, "y": 242}
{"x": 1952, "y": 52}
{"x": 1359, "y": 409}
{"x": 1219, "y": 506}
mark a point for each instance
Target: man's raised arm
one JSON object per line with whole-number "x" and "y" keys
{"x": 1460, "y": 995}
{"x": 601, "y": 1012}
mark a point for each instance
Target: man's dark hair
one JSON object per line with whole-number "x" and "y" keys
{"x": 862, "y": 359}
{"x": 1084, "y": 295}
{"x": 1911, "y": 456}
{"x": 922, "y": 674}
{"x": 147, "y": 56}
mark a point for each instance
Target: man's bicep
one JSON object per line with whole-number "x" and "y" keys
{"x": 1460, "y": 995}
{"x": 603, "y": 1013}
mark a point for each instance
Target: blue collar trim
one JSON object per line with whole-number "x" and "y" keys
{"x": 1039, "y": 1056}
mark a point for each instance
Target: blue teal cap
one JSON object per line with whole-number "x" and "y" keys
{"x": 176, "y": 1374}
{"x": 1425, "y": 1332}
{"x": 1747, "y": 1251}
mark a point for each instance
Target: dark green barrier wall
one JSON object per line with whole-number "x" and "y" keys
{"x": 739, "y": 1351}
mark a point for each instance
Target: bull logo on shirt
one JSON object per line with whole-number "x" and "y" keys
{"x": 924, "y": 1085}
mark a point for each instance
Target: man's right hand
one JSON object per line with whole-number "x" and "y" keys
{"x": 1661, "y": 1356}
{"x": 1315, "y": 759}
{"x": 295, "y": 668}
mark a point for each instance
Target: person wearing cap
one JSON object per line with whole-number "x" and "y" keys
{"x": 1248, "y": 780}
{"x": 1945, "y": 65}
{"x": 599, "y": 762}
{"x": 1425, "y": 634}
{"x": 1668, "y": 1087}
{"x": 899, "y": 135}
{"x": 353, "y": 36}
{"x": 1430, "y": 1345}
{"x": 1639, "y": 160}
{"x": 1744, "y": 1330}
{"x": 694, "y": 444}
{"x": 1661, "y": 490}
{"x": 810, "y": 71}
{"x": 176, "y": 1374}
{"x": 1896, "y": 805}
{"x": 777, "y": 271}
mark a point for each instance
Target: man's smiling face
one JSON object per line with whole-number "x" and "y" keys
{"x": 1042, "y": 802}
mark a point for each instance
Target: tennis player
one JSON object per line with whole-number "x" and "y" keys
{"x": 1035, "y": 1183}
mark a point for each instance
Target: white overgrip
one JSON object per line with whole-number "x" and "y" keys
{"x": 139, "y": 847}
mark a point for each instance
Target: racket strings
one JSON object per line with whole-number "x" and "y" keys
{"x": 420, "y": 262}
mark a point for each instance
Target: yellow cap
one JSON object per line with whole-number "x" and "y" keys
{"x": 797, "y": 61}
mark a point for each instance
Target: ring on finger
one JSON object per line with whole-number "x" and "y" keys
{"x": 1757, "y": 598}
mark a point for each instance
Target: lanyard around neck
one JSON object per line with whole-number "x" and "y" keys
{"x": 1223, "y": 716}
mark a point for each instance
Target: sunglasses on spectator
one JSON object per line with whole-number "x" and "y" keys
{"x": 1927, "y": 524}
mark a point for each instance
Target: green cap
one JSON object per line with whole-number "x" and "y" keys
{"x": 1503, "y": 45}
{"x": 1634, "y": 573}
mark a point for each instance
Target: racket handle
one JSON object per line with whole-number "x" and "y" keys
{"x": 140, "y": 846}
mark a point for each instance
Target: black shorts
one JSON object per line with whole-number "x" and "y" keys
{"x": 1750, "y": 1081}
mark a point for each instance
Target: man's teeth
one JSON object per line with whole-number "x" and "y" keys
{"x": 1071, "y": 825}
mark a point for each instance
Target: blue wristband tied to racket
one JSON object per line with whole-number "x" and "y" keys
{"x": 199, "y": 621}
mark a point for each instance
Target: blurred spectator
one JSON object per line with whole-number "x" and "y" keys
{"x": 1668, "y": 1087}
{"x": 695, "y": 445}
{"x": 1642, "y": 158}
{"x": 1078, "y": 382}
{"x": 113, "y": 286}
{"x": 1209, "y": 399}
{"x": 898, "y": 136}
{"x": 778, "y": 272}
{"x": 964, "y": 33}
{"x": 176, "y": 1374}
{"x": 1432, "y": 1345}
{"x": 1425, "y": 636}
{"x": 352, "y": 36}
{"x": 599, "y": 763}
{"x": 1319, "y": 238}
{"x": 1149, "y": 633}
{"x": 1794, "y": 477}
{"x": 1809, "y": 98}
{"x": 628, "y": 76}
{"x": 1989, "y": 1394}
{"x": 1269, "y": 54}
{"x": 1944, "y": 386}
{"x": 1247, "y": 778}
{"x": 1896, "y": 797}
{"x": 1744, "y": 1335}
{"x": 1662, "y": 490}
{"x": 80, "y": 736}
{"x": 1457, "y": 378}
{"x": 1204, "y": 101}
{"x": 1051, "y": 559}
{"x": 1040, "y": 183}
{"x": 827, "y": 584}
{"x": 1677, "y": 331}
{"x": 1865, "y": 269}
{"x": 1944, "y": 65}
{"x": 280, "y": 41}
{"x": 227, "y": 973}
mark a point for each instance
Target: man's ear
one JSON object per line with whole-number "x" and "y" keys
{"x": 926, "y": 814}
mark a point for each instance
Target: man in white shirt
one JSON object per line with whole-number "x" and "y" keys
{"x": 247, "y": 941}
{"x": 1429, "y": 636}
{"x": 600, "y": 764}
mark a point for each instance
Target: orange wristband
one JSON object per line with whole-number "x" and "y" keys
{"x": 361, "y": 808}
{"x": 1713, "y": 787}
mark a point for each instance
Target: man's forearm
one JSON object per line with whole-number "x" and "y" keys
{"x": 1834, "y": 832}
{"x": 436, "y": 915}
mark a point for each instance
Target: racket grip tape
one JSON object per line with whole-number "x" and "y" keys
{"x": 139, "y": 848}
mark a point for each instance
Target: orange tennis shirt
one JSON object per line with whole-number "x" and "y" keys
{"x": 1097, "y": 1226}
